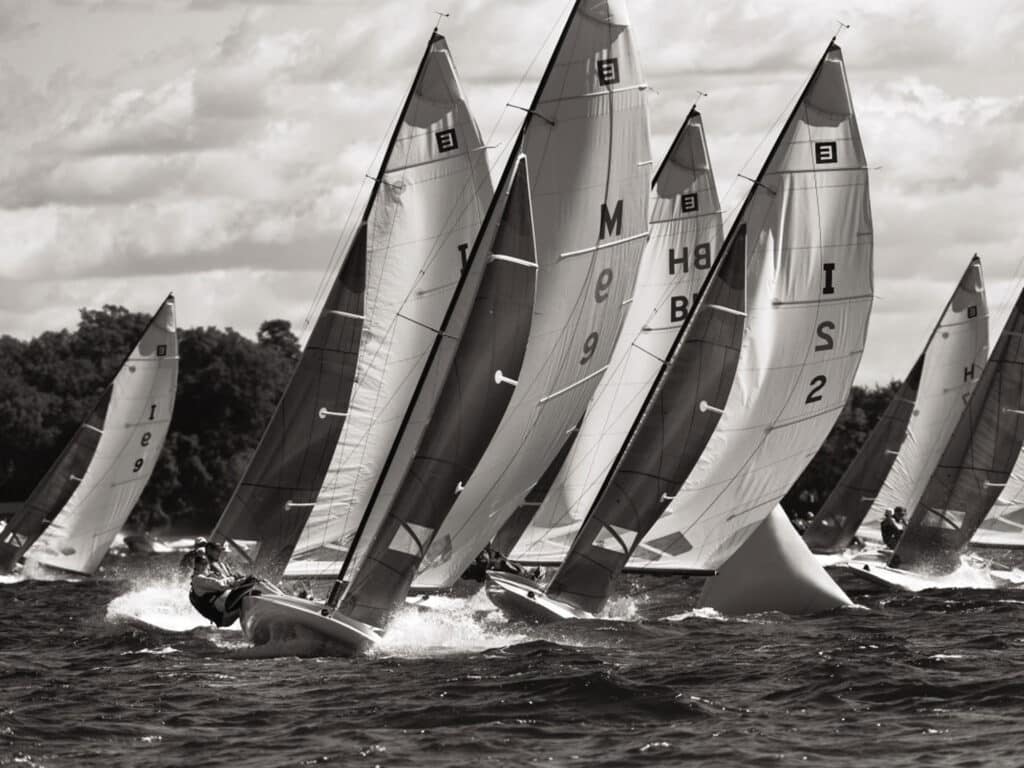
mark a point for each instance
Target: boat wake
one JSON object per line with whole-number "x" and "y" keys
{"x": 158, "y": 602}
{"x": 447, "y": 625}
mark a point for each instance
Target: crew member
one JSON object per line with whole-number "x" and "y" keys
{"x": 216, "y": 590}
{"x": 891, "y": 530}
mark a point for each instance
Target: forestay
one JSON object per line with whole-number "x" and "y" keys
{"x": 953, "y": 362}
{"x": 976, "y": 463}
{"x": 809, "y": 282}
{"x": 134, "y": 425}
{"x": 893, "y": 465}
{"x": 586, "y": 139}
{"x": 428, "y": 202}
{"x": 686, "y": 233}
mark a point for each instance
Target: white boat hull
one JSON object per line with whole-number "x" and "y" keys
{"x": 874, "y": 568}
{"x": 282, "y": 618}
{"x": 522, "y": 599}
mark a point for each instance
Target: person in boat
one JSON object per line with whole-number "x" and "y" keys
{"x": 891, "y": 530}
{"x": 491, "y": 559}
{"x": 216, "y": 590}
{"x": 188, "y": 561}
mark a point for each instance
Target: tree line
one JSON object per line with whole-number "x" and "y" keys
{"x": 228, "y": 386}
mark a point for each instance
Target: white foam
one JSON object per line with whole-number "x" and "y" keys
{"x": 621, "y": 608}
{"x": 449, "y": 625}
{"x": 699, "y": 613}
{"x": 159, "y": 602}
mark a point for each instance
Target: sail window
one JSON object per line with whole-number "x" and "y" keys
{"x": 411, "y": 539}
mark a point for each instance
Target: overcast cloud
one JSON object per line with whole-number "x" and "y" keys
{"x": 217, "y": 148}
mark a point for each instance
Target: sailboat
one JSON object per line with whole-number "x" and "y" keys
{"x": 73, "y": 514}
{"x": 586, "y": 136}
{"x": 975, "y": 465}
{"x": 352, "y": 387}
{"x": 809, "y": 296}
{"x": 686, "y": 234}
{"x": 678, "y": 418}
{"x": 899, "y": 455}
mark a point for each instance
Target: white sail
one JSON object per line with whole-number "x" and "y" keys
{"x": 810, "y": 291}
{"x": 434, "y": 190}
{"x": 588, "y": 147}
{"x": 134, "y": 428}
{"x": 953, "y": 361}
{"x": 686, "y": 232}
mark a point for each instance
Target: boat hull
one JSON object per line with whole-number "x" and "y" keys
{"x": 874, "y": 568}
{"x": 521, "y": 599}
{"x": 270, "y": 619}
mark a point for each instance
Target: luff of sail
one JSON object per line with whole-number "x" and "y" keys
{"x": 476, "y": 389}
{"x": 809, "y": 282}
{"x": 677, "y": 420}
{"x": 976, "y": 463}
{"x": 432, "y": 190}
{"x": 586, "y": 139}
{"x": 686, "y": 234}
{"x": 899, "y": 455}
{"x": 134, "y": 426}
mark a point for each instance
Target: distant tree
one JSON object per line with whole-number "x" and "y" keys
{"x": 862, "y": 411}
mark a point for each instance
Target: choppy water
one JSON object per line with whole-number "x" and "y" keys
{"x": 933, "y": 678}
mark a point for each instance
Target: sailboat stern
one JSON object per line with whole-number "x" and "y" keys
{"x": 296, "y": 624}
{"x": 522, "y": 599}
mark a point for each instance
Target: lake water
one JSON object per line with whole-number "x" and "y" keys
{"x": 119, "y": 671}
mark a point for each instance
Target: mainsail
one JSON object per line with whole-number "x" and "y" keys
{"x": 84, "y": 499}
{"x": 809, "y": 283}
{"x": 893, "y": 465}
{"x": 976, "y": 463}
{"x": 487, "y": 352}
{"x": 586, "y": 138}
{"x": 316, "y": 468}
{"x": 686, "y": 234}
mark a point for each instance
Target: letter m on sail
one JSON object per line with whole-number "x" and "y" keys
{"x": 610, "y": 221}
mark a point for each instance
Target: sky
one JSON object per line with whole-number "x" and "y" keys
{"x": 220, "y": 149}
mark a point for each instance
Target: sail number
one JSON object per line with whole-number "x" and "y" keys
{"x": 824, "y": 336}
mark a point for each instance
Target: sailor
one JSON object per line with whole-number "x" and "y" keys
{"x": 187, "y": 563}
{"x": 216, "y": 590}
{"x": 891, "y": 530}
